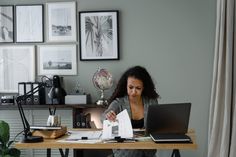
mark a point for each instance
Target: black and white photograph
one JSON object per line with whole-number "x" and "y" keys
{"x": 61, "y": 17}
{"x": 57, "y": 59}
{"x": 28, "y": 27}
{"x": 99, "y": 38}
{"x": 17, "y": 65}
{"x": 6, "y": 24}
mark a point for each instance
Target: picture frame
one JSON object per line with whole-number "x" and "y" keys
{"x": 28, "y": 27}
{"x": 17, "y": 65}
{"x": 6, "y": 24}
{"x": 61, "y": 22}
{"x": 57, "y": 59}
{"x": 99, "y": 35}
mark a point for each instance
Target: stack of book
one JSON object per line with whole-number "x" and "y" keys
{"x": 51, "y": 132}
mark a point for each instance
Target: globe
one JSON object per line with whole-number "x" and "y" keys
{"x": 102, "y": 80}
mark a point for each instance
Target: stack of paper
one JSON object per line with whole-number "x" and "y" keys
{"x": 121, "y": 127}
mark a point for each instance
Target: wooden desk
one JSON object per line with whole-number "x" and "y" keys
{"x": 52, "y": 143}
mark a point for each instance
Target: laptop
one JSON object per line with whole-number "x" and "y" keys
{"x": 168, "y": 122}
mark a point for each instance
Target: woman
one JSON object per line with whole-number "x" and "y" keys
{"x": 135, "y": 91}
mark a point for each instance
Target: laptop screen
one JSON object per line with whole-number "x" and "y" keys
{"x": 168, "y": 118}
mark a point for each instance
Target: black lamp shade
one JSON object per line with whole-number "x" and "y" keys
{"x": 56, "y": 92}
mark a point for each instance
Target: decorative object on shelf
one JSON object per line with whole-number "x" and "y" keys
{"x": 29, "y": 28}
{"x": 61, "y": 20}
{"x": 17, "y": 65}
{"x": 77, "y": 95}
{"x": 102, "y": 80}
{"x": 6, "y": 24}
{"x": 99, "y": 38}
{"x": 57, "y": 60}
{"x": 76, "y": 99}
{"x": 78, "y": 89}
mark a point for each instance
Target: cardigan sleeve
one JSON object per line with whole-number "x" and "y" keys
{"x": 115, "y": 106}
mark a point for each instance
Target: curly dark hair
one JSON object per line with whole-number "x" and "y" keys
{"x": 139, "y": 73}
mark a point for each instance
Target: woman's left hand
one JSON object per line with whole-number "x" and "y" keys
{"x": 111, "y": 115}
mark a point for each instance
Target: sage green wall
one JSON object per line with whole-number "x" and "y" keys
{"x": 173, "y": 39}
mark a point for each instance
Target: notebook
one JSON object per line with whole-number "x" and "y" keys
{"x": 168, "y": 122}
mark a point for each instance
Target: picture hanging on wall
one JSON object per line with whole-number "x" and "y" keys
{"x": 29, "y": 23}
{"x": 6, "y": 24}
{"x": 17, "y": 65}
{"x": 99, "y": 38}
{"x": 57, "y": 60}
{"x": 61, "y": 21}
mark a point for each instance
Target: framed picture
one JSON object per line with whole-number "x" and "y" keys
{"x": 29, "y": 23}
{"x": 61, "y": 21}
{"x": 57, "y": 60}
{"x": 17, "y": 64}
{"x": 6, "y": 24}
{"x": 99, "y": 35}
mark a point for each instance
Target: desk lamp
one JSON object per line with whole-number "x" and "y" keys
{"x": 28, "y": 138}
{"x": 56, "y": 92}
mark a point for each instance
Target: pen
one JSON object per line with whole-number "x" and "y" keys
{"x": 71, "y": 139}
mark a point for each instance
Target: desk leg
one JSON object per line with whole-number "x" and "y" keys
{"x": 175, "y": 153}
{"x": 66, "y": 152}
{"x": 48, "y": 152}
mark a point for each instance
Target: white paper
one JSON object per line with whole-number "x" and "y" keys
{"x": 107, "y": 129}
{"x": 121, "y": 127}
{"x": 76, "y": 136}
{"x": 81, "y": 141}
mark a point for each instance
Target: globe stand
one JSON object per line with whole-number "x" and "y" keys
{"x": 102, "y": 101}
{"x": 102, "y": 80}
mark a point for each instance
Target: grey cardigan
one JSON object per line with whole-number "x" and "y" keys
{"x": 119, "y": 105}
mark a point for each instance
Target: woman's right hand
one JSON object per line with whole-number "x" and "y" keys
{"x": 111, "y": 115}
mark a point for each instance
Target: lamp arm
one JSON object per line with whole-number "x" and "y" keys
{"x": 19, "y": 100}
{"x": 23, "y": 119}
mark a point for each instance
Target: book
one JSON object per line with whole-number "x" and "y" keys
{"x": 50, "y": 133}
{"x": 38, "y": 127}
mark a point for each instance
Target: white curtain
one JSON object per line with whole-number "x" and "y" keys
{"x": 222, "y": 116}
